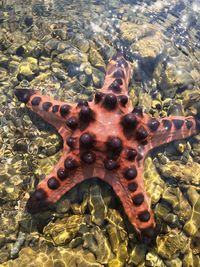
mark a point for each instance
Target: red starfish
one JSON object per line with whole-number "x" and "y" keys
{"x": 105, "y": 138}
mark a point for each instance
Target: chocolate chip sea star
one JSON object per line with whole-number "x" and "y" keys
{"x": 105, "y": 138}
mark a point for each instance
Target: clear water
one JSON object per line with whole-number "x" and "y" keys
{"x": 161, "y": 40}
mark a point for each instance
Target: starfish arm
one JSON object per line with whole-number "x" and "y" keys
{"x": 165, "y": 130}
{"x": 52, "y": 111}
{"x": 53, "y": 186}
{"x": 68, "y": 172}
{"x": 117, "y": 79}
{"x": 134, "y": 199}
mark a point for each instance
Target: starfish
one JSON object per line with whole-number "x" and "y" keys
{"x": 105, "y": 138}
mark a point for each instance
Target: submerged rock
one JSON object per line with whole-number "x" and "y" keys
{"x": 172, "y": 244}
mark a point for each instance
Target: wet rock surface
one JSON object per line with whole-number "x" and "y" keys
{"x": 61, "y": 48}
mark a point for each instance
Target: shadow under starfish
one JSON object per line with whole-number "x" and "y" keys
{"x": 105, "y": 138}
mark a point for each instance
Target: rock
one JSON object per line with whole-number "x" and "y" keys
{"x": 74, "y": 58}
{"x": 51, "y": 45}
{"x": 63, "y": 231}
{"x": 153, "y": 260}
{"x": 137, "y": 255}
{"x": 97, "y": 206}
{"x": 192, "y": 226}
{"x": 96, "y": 59}
{"x": 81, "y": 43}
{"x": 27, "y": 69}
{"x": 172, "y": 244}
{"x": 153, "y": 183}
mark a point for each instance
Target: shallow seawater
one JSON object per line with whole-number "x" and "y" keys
{"x": 61, "y": 48}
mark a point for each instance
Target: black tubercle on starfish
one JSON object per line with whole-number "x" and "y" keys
{"x": 144, "y": 216}
{"x": 119, "y": 74}
{"x": 53, "y": 183}
{"x": 72, "y": 122}
{"x": 110, "y": 101}
{"x": 36, "y": 101}
{"x": 130, "y": 173}
{"x": 167, "y": 124}
{"x": 86, "y": 141}
{"x": 64, "y": 110}
{"x": 111, "y": 164}
{"x": 46, "y": 106}
{"x": 129, "y": 121}
{"x": 141, "y": 133}
{"x": 98, "y": 97}
{"x": 70, "y": 163}
{"x": 82, "y": 102}
{"x": 37, "y": 201}
{"x": 123, "y": 100}
{"x": 178, "y": 124}
{"x": 62, "y": 174}
{"x": 137, "y": 111}
{"x": 189, "y": 124}
{"x": 132, "y": 186}
{"x": 71, "y": 141}
{"x": 114, "y": 144}
{"x": 85, "y": 114}
{"x": 55, "y": 108}
{"x": 131, "y": 154}
{"x": 24, "y": 95}
{"x": 138, "y": 200}
{"x": 88, "y": 157}
{"x": 115, "y": 86}
{"x": 117, "y": 55}
{"x": 153, "y": 124}
{"x": 122, "y": 63}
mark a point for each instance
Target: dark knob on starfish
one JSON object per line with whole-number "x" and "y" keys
{"x": 72, "y": 122}
{"x": 129, "y": 121}
{"x": 110, "y": 101}
{"x": 115, "y": 86}
{"x": 130, "y": 173}
{"x": 98, "y": 97}
{"x": 131, "y": 154}
{"x": 70, "y": 163}
{"x": 46, "y": 106}
{"x": 115, "y": 145}
{"x": 86, "y": 140}
{"x": 138, "y": 200}
{"x": 71, "y": 141}
{"x": 153, "y": 124}
{"x": 82, "y": 102}
{"x": 132, "y": 187}
{"x": 88, "y": 157}
{"x": 123, "y": 99}
{"x": 62, "y": 174}
{"x": 189, "y": 124}
{"x": 64, "y": 110}
{"x": 85, "y": 114}
{"x": 55, "y": 108}
{"x": 118, "y": 74}
{"x": 137, "y": 111}
{"x": 36, "y": 101}
{"x": 24, "y": 94}
{"x": 111, "y": 164}
{"x": 144, "y": 216}
{"x": 53, "y": 183}
{"x": 141, "y": 133}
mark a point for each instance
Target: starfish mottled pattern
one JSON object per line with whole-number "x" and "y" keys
{"x": 105, "y": 138}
